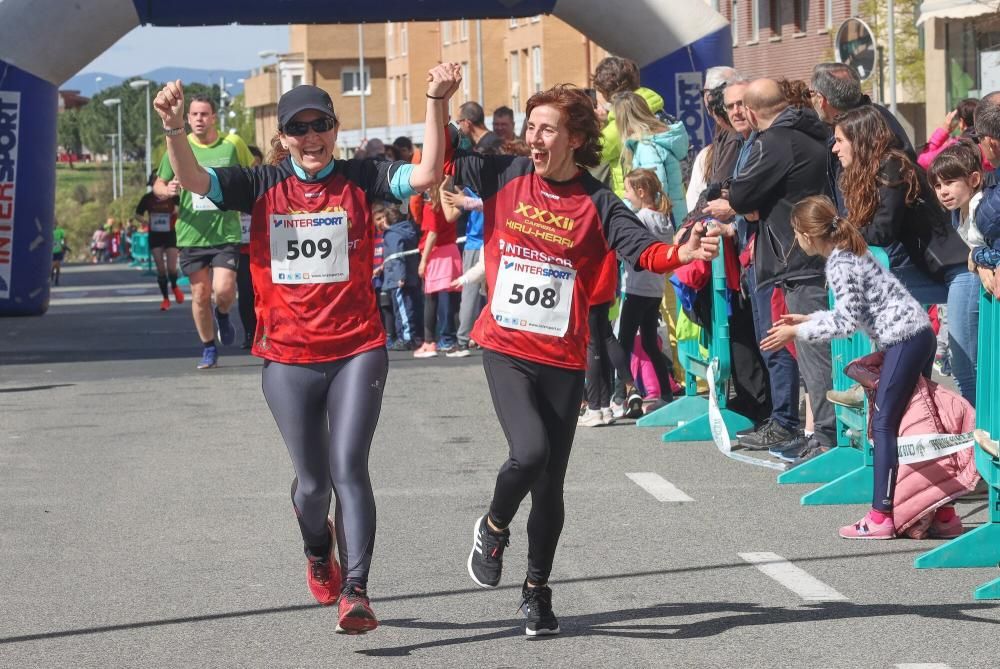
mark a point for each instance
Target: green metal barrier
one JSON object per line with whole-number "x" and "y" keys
{"x": 981, "y": 546}
{"x": 688, "y": 415}
{"x": 847, "y": 469}
{"x": 140, "y": 249}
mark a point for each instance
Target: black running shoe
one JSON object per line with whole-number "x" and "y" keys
{"x": 767, "y": 437}
{"x": 750, "y": 430}
{"x": 813, "y": 449}
{"x": 486, "y": 558}
{"x": 537, "y": 606}
{"x": 792, "y": 450}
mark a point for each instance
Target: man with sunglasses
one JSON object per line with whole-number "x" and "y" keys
{"x": 208, "y": 239}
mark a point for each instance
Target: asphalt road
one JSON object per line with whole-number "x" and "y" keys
{"x": 145, "y": 521}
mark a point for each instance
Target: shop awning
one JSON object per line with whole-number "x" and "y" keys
{"x": 956, "y": 9}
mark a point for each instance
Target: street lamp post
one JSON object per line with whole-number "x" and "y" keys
{"x": 136, "y": 85}
{"x": 114, "y": 174}
{"x": 117, "y": 102}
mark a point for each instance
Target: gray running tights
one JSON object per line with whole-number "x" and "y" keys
{"x": 327, "y": 413}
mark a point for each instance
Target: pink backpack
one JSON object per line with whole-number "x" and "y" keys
{"x": 924, "y": 486}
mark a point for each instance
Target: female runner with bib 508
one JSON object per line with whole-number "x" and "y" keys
{"x": 318, "y": 324}
{"x": 548, "y": 227}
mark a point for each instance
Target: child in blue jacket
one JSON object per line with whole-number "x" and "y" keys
{"x": 400, "y": 279}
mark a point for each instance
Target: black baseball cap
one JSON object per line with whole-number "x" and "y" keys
{"x": 302, "y": 98}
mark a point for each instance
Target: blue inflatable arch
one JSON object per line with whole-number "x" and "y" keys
{"x": 45, "y": 42}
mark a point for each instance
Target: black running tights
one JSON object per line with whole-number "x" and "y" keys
{"x": 538, "y": 407}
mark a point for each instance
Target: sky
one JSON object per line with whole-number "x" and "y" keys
{"x": 214, "y": 47}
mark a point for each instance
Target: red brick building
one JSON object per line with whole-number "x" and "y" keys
{"x": 783, "y": 38}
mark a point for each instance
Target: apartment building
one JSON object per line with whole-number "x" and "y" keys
{"x": 503, "y": 62}
{"x": 326, "y": 56}
{"x": 783, "y": 38}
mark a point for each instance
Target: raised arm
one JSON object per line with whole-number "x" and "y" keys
{"x": 169, "y": 104}
{"x": 442, "y": 82}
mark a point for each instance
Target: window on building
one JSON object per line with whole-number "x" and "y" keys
{"x": 515, "y": 80}
{"x": 466, "y": 81}
{"x": 513, "y": 22}
{"x": 536, "y": 18}
{"x": 754, "y": 20}
{"x": 828, "y": 15}
{"x": 463, "y": 30}
{"x": 536, "y": 67}
{"x": 801, "y": 15}
{"x": 774, "y": 17}
{"x": 445, "y": 32}
{"x": 404, "y": 40}
{"x": 350, "y": 81}
{"x": 390, "y": 38}
{"x": 734, "y": 20}
{"x": 296, "y": 80}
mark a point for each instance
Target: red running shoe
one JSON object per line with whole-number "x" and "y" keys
{"x": 356, "y": 615}
{"x": 178, "y": 295}
{"x": 165, "y": 304}
{"x": 323, "y": 574}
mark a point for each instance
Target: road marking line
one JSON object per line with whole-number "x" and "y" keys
{"x": 795, "y": 579}
{"x": 151, "y": 298}
{"x": 928, "y": 665}
{"x": 660, "y": 488}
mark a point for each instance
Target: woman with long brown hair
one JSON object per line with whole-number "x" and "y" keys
{"x": 890, "y": 201}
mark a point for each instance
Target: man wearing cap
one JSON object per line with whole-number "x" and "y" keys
{"x": 208, "y": 239}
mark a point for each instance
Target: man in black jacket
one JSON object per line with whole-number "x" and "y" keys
{"x": 836, "y": 88}
{"x": 787, "y": 163}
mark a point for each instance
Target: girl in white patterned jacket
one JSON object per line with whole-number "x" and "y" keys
{"x": 867, "y": 297}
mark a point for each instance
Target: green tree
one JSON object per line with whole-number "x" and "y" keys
{"x": 242, "y": 118}
{"x": 97, "y": 120}
{"x": 909, "y": 55}
{"x": 68, "y": 131}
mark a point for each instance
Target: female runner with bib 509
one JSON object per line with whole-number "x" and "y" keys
{"x": 318, "y": 324}
{"x": 548, "y": 227}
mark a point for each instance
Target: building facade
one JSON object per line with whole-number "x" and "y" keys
{"x": 783, "y": 38}
{"x": 503, "y": 62}
{"x": 961, "y": 53}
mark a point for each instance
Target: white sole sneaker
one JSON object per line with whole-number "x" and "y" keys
{"x": 541, "y": 632}
{"x": 472, "y": 553}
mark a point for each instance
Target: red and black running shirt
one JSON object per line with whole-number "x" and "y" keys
{"x": 162, "y": 213}
{"x": 308, "y": 322}
{"x": 541, "y": 237}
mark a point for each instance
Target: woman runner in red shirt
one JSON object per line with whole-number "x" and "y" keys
{"x": 548, "y": 227}
{"x": 318, "y": 324}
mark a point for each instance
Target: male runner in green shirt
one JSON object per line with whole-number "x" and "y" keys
{"x": 208, "y": 239}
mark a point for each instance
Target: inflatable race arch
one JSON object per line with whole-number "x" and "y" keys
{"x": 45, "y": 42}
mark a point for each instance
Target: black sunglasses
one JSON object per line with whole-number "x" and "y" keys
{"x": 299, "y": 128}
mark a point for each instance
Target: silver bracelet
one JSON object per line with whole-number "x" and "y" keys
{"x": 170, "y": 132}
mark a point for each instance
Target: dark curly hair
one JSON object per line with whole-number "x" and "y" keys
{"x": 874, "y": 149}
{"x": 581, "y": 119}
{"x": 796, "y": 93}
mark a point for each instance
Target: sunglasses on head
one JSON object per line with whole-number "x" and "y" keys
{"x": 299, "y": 128}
